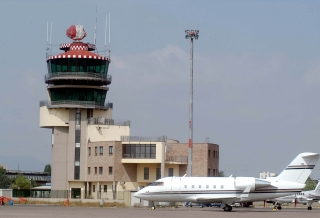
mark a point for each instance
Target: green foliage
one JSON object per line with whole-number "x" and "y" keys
{"x": 4, "y": 180}
{"x": 310, "y": 185}
{"x": 47, "y": 169}
{"x": 21, "y": 182}
{"x": 221, "y": 174}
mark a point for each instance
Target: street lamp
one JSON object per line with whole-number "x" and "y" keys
{"x": 191, "y": 34}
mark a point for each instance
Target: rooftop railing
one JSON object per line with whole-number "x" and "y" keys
{"x": 144, "y": 138}
{"x": 76, "y": 104}
{"x": 104, "y": 121}
{"x": 177, "y": 159}
{"x": 78, "y": 75}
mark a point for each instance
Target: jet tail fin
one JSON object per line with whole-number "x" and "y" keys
{"x": 317, "y": 189}
{"x": 300, "y": 168}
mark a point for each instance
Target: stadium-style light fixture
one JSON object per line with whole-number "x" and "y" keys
{"x": 192, "y": 34}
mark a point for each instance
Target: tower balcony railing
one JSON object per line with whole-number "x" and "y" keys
{"x": 76, "y": 104}
{"x": 78, "y": 75}
{"x": 104, "y": 121}
{"x": 144, "y": 138}
{"x": 177, "y": 159}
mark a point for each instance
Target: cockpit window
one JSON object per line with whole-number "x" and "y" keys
{"x": 157, "y": 184}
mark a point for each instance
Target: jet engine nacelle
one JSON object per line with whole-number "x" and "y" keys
{"x": 255, "y": 184}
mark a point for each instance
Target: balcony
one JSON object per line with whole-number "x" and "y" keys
{"x": 176, "y": 159}
{"x": 76, "y": 104}
{"x": 104, "y": 78}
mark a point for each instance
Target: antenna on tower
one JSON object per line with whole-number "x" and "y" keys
{"x": 51, "y": 34}
{"x": 105, "y": 32}
{"x": 47, "y": 32}
{"x": 109, "y": 36}
{"x": 95, "y": 28}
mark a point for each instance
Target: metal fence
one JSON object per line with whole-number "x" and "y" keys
{"x": 104, "y": 121}
{"x": 103, "y": 77}
{"x": 76, "y": 104}
{"x": 144, "y": 138}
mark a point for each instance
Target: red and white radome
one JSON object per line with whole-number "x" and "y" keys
{"x": 76, "y": 32}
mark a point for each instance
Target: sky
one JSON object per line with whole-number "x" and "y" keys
{"x": 256, "y": 75}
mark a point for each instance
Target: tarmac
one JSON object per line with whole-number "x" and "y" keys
{"x": 50, "y": 211}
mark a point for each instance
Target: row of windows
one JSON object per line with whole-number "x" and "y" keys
{"x": 110, "y": 170}
{"x": 214, "y": 172}
{"x": 206, "y": 186}
{"x": 215, "y": 154}
{"x": 78, "y": 95}
{"x": 102, "y": 187}
{"x": 139, "y": 151}
{"x": 158, "y": 173}
{"x": 100, "y": 150}
{"x": 78, "y": 65}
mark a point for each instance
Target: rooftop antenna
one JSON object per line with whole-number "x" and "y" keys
{"x": 47, "y": 32}
{"x": 109, "y": 36}
{"x": 95, "y": 28}
{"x": 105, "y": 32}
{"x": 51, "y": 36}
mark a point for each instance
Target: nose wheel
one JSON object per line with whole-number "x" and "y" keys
{"x": 227, "y": 208}
{"x": 152, "y": 207}
{"x": 309, "y": 208}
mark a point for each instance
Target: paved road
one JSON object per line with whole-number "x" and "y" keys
{"x": 44, "y": 211}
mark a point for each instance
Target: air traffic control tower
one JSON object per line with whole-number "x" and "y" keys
{"x": 77, "y": 86}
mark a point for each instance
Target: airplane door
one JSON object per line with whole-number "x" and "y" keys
{"x": 175, "y": 186}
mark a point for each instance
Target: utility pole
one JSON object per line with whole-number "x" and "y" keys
{"x": 191, "y": 34}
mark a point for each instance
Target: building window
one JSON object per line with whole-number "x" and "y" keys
{"x": 105, "y": 188}
{"x": 209, "y": 151}
{"x": 110, "y": 149}
{"x": 170, "y": 172}
{"x": 94, "y": 188}
{"x": 89, "y": 169}
{"x": 76, "y": 172}
{"x": 89, "y": 151}
{"x": 158, "y": 173}
{"x": 208, "y": 172}
{"x": 146, "y": 173}
{"x": 89, "y": 113}
{"x": 96, "y": 151}
{"x": 214, "y": 172}
{"x": 100, "y": 170}
{"x": 214, "y": 154}
{"x": 101, "y": 150}
{"x": 95, "y": 170}
{"x": 110, "y": 170}
{"x": 139, "y": 151}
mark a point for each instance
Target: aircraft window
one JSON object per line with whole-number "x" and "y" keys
{"x": 192, "y": 186}
{"x": 214, "y": 186}
{"x": 207, "y": 186}
{"x": 199, "y": 186}
{"x": 185, "y": 186}
{"x": 221, "y": 186}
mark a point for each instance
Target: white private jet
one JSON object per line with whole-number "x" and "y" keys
{"x": 228, "y": 190}
{"x": 305, "y": 197}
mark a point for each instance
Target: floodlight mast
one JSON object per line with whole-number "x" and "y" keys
{"x": 191, "y": 34}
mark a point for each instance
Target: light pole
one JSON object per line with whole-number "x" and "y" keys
{"x": 191, "y": 34}
{"x": 30, "y": 187}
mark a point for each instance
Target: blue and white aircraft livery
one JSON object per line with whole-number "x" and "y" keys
{"x": 228, "y": 190}
{"x": 305, "y": 197}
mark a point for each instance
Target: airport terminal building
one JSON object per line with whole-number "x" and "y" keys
{"x": 94, "y": 155}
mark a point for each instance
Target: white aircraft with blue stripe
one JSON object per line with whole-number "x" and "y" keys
{"x": 228, "y": 190}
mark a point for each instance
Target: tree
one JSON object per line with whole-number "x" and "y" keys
{"x": 310, "y": 184}
{"x": 21, "y": 182}
{"x": 221, "y": 173}
{"x": 47, "y": 169}
{"x": 4, "y": 180}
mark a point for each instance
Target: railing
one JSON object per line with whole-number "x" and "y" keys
{"x": 104, "y": 121}
{"x": 179, "y": 159}
{"x": 143, "y": 139}
{"x": 76, "y": 104}
{"x": 99, "y": 76}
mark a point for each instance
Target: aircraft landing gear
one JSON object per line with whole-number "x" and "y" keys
{"x": 152, "y": 207}
{"x": 277, "y": 207}
{"x": 309, "y": 208}
{"x": 227, "y": 208}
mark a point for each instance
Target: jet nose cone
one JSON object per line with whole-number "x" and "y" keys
{"x": 137, "y": 194}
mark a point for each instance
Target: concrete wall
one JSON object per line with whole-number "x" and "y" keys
{"x": 98, "y": 133}
{"x": 53, "y": 117}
